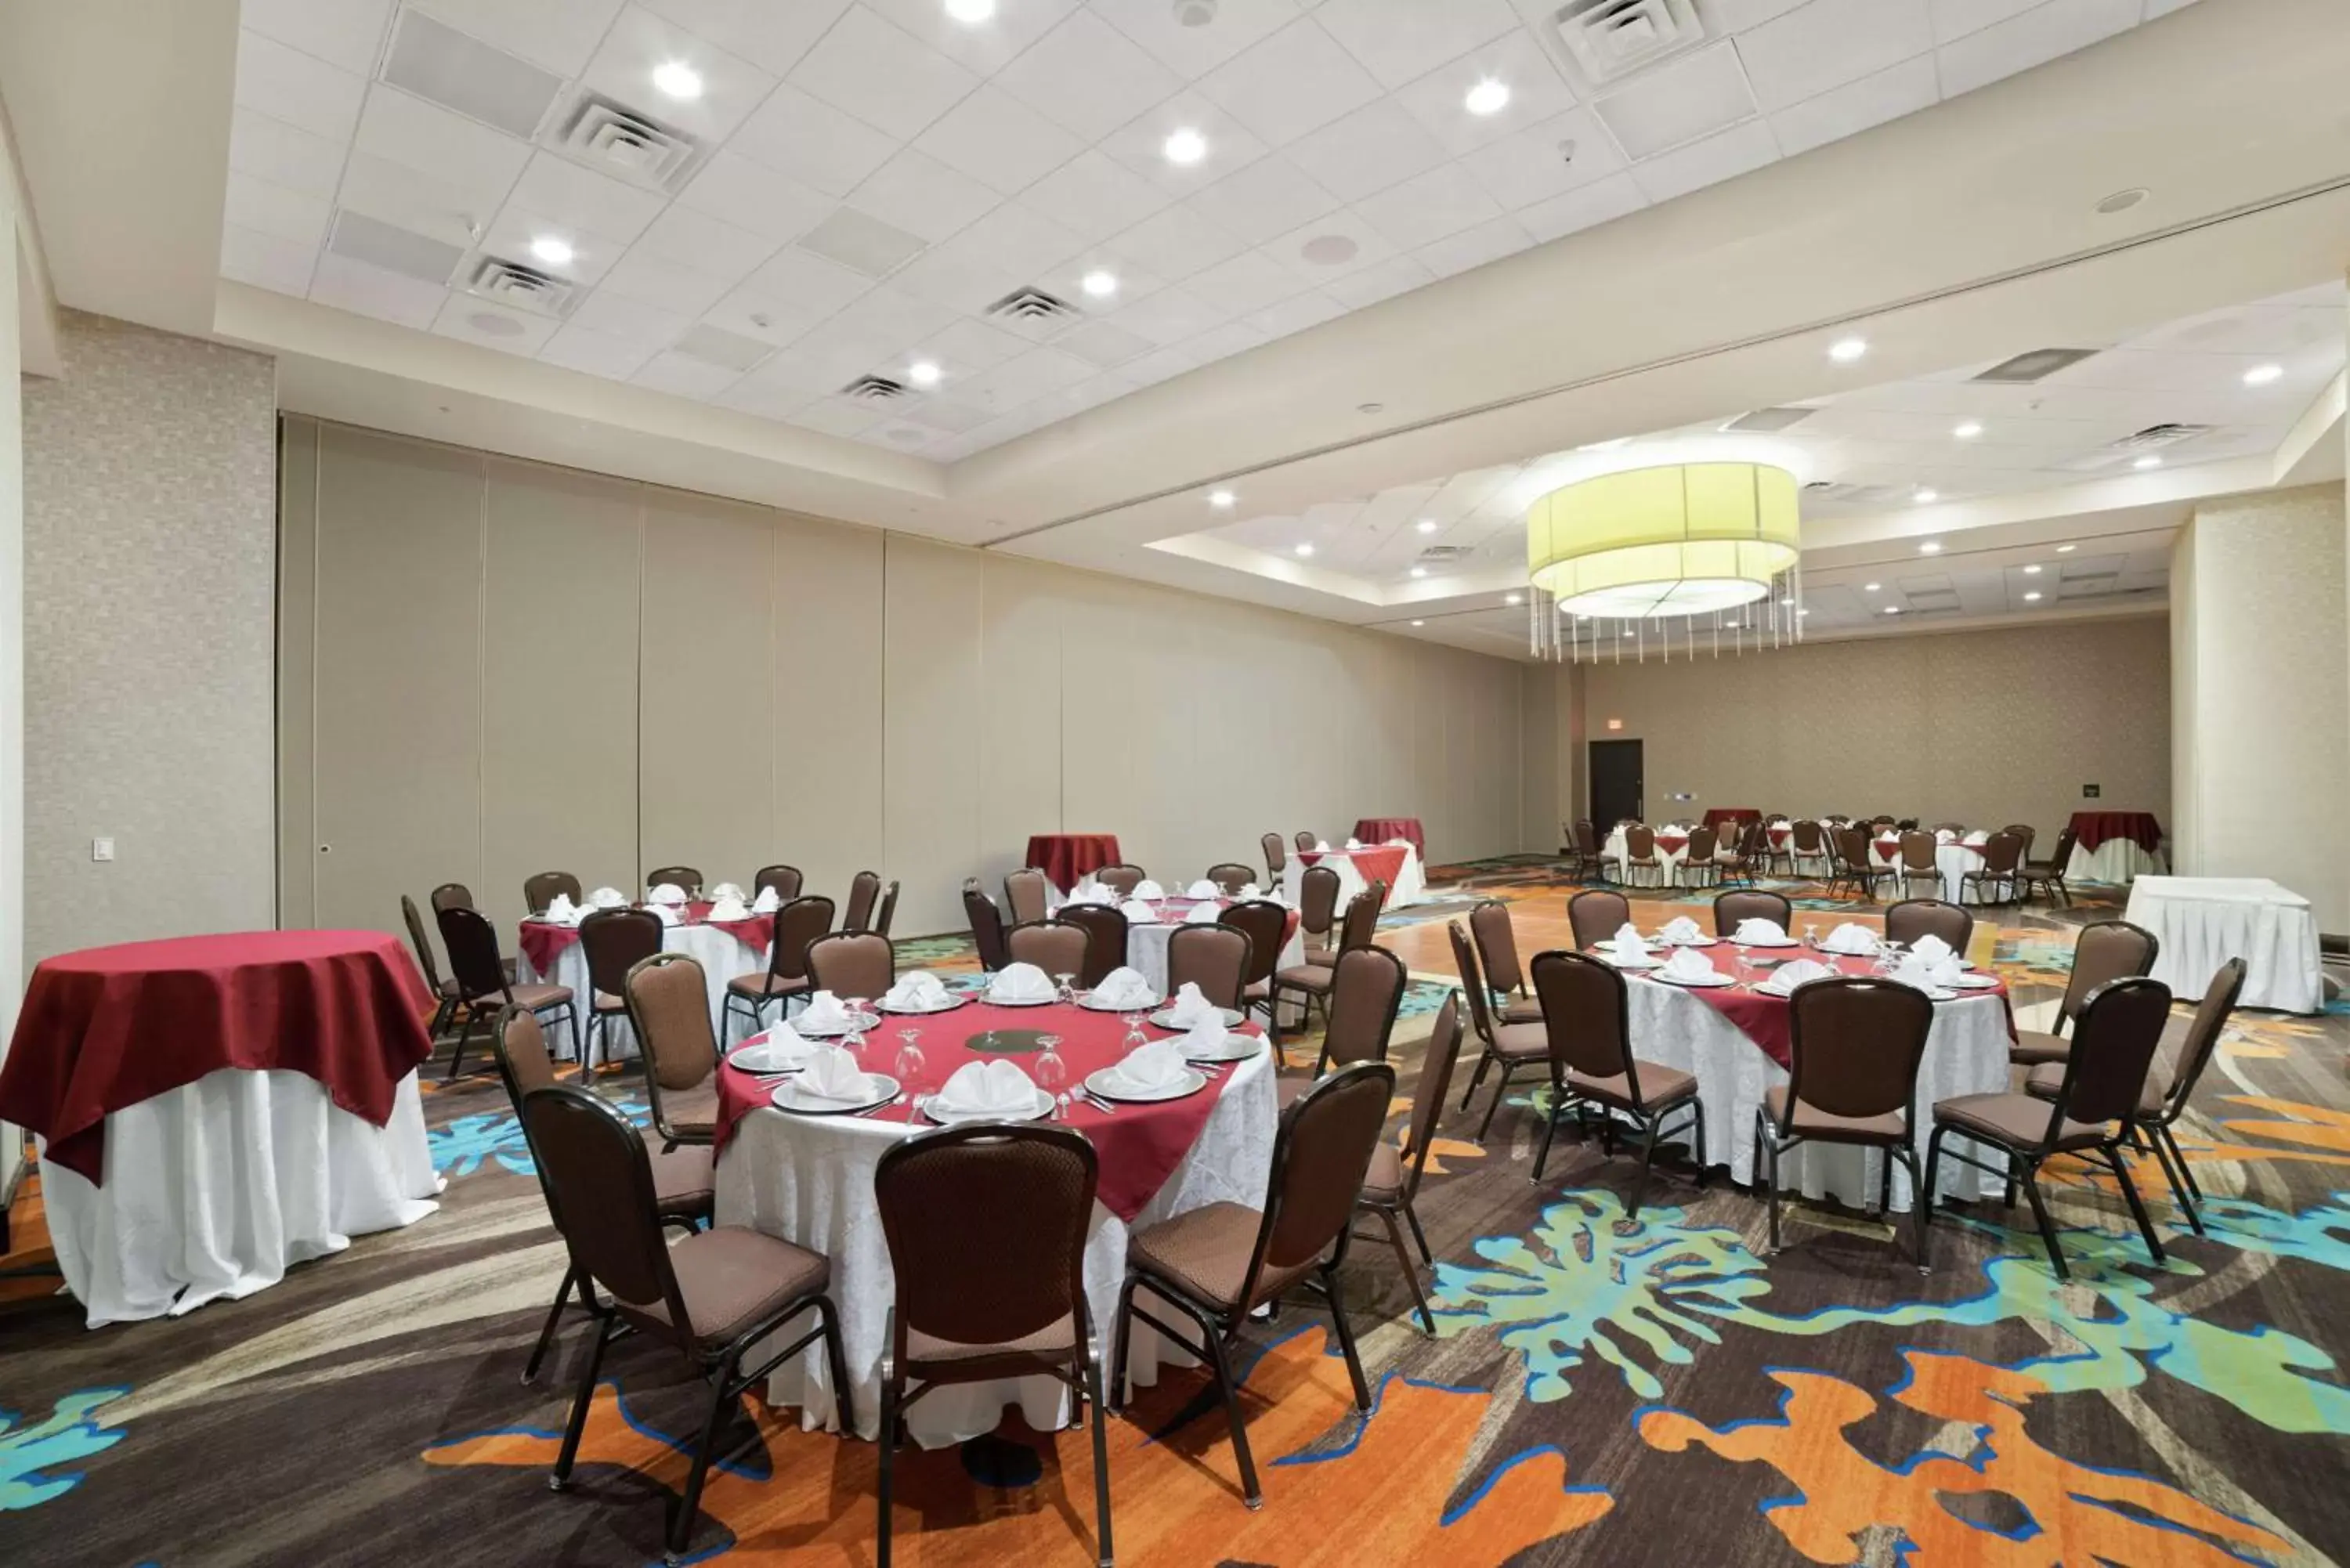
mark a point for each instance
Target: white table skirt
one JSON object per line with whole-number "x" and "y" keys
{"x": 2115, "y": 860}
{"x": 721, "y": 956}
{"x": 1410, "y": 882}
{"x": 810, "y": 1180}
{"x": 2201, "y": 922}
{"x": 1669, "y": 862}
{"x": 214, "y": 1188}
{"x": 1966, "y": 1054}
{"x": 1146, "y": 951}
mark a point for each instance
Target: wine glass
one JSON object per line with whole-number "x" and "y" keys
{"x": 1066, "y": 991}
{"x": 1134, "y": 1034}
{"x": 853, "y": 1039}
{"x": 1051, "y": 1071}
{"x": 909, "y": 1067}
{"x": 1811, "y": 934}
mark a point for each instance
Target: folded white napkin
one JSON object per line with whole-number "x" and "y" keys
{"x": 1207, "y": 1038}
{"x": 559, "y": 908}
{"x": 1353, "y": 844}
{"x": 1124, "y": 987}
{"x": 1978, "y": 837}
{"x": 1138, "y": 913}
{"x": 1203, "y": 914}
{"x": 1787, "y": 976}
{"x": 1629, "y": 933}
{"x": 768, "y": 901}
{"x": 1321, "y": 847}
{"x": 731, "y": 908}
{"x": 778, "y": 1049}
{"x": 1147, "y": 889}
{"x": 822, "y": 1010}
{"x": 1944, "y": 836}
{"x": 668, "y": 913}
{"x": 1688, "y": 964}
{"x": 1761, "y": 931}
{"x": 1203, "y": 888}
{"x": 1090, "y": 893}
{"x": 1682, "y": 930}
{"x": 1191, "y": 1008}
{"x": 1020, "y": 982}
{"x": 1251, "y": 890}
{"x": 608, "y": 898}
{"x": 1629, "y": 948}
{"x": 1157, "y": 1066}
{"x": 667, "y": 893}
{"x": 1931, "y": 947}
{"x": 1780, "y": 822}
{"x": 1399, "y": 844}
{"x": 1852, "y": 938}
{"x": 980, "y": 1088}
{"x": 725, "y": 890}
{"x": 832, "y": 1074}
{"x": 917, "y": 988}
{"x": 1925, "y": 974}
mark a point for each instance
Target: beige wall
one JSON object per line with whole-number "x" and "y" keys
{"x": 2263, "y": 693}
{"x": 1980, "y": 727}
{"x": 150, "y": 573}
{"x": 12, "y": 638}
{"x": 490, "y": 667}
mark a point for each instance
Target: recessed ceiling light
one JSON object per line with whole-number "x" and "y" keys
{"x": 1184, "y": 146}
{"x": 1419, "y": 571}
{"x": 678, "y": 79}
{"x": 1968, "y": 432}
{"x": 1426, "y": 525}
{"x": 1870, "y": 587}
{"x": 1099, "y": 282}
{"x": 1420, "y": 623}
{"x": 1931, "y": 547}
{"x": 1513, "y": 598}
{"x": 2033, "y": 570}
{"x": 1844, "y": 350}
{"x": 2149, "y": 461}
{"x": 2031, "y": 598}
{"x": 1488, "y": 97}
{"x": 551, "y": 250}
{"x": 2066, "y": 549}
{"x": 1925, "y": 497}
{"x": 1221, "y": 500}
{"x": 970, "y": 10}
{"x": 1304, "y": 549}
{"x": 2261, "y": 374}
{"x": 923, "y": 373}
{"x": 1892, "y": 609}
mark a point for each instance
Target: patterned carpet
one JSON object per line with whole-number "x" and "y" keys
{"x": 1602, "y": 1390}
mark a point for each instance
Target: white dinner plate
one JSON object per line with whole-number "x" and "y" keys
{"x": 1688, "y": 942}
{"x": 1787, "y": 942}
{"x": 1940, "y": 993}
{"x": 1163, "y": 1019}
{"x": 948, "y": 1005}
{"x": 1000, "y": 1002}
{"x": 947, "y": 1118}
{"x": 1976, "y": 982}
{"x": 834, "y": 1032}
{"x": 1631, "y": 963}
{"x": 1236, "y": 1048}
{"x": 767, "y": 1056}
{"x": 787, "y": 1097}
{"x": 1717, "y": 978}
{"x": 1092, "y": 1004}
{"x": 1110, "y": 1084}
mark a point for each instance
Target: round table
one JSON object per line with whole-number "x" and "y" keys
{"x": 1386, "y": 829}
{"x": 809, "y": 1179}
{"x": 1146, "y": 942}
{"x": 550, "y": 950}
{"x": 1952, "y": 861}
{"x": 1397, "y": 865}
{"x": 1065, "y": 857}
{"x": 1672, "y": 855}
{"x": 212, "y": 1109}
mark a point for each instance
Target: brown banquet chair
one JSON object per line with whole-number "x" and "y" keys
{"x": 1497, "y": 954}
{"x": 884, "y": 917}
{"x": 1732, "y": 910}
{"x": 711, "y": 1296}
{"x": 1597, "y": 914}
{"x": 860, "y": 964}
{"x": 1025, "y": 895}
{"x": 1508, "y": 1046}
{"x": 864, "y": 890}
{"x": 443, "y": 989}
{"x": 785, "y": 879}
{"x": 1214, "y": 957}
{"x": 614, "y": 941}
{"x": 2105, "y": 949}
{"x": 1312, "y": 983}
{"x": 1057, "y": 947}
{"x": 1588, "y": 1015}
{"x": 1306, "y": 840}
{"x": 1231, "y": 877}
{"x": 1266, "y": 926}
{"x": 480, "y": 972}
{"x": 1393, "y": 1179}
{"x": 799, "y": 923}
{"x": 1919, "y": 848}
{"x": 2048, "y": 876}
{"x": 1994, "y": 880}
{"x": 669, "y": 1006}
{"x": 685, "y": 877}
{"x": 1106, "y": 933}
{"x": 1215, "y": 1264}
{"x": 452, "y": 896}
{"x": 1121, "y": 880}
{"x": 1365, "y": 993}
{"x": 1584, "y": 861}
{"x": 986, "y": 926}
{"x": 1906, "y": 922}
{"x": 539, "y": 891}
{"x": 1317, "y": 914}
{"x": 1698, "y": 864}
{"x": 1276, "y": 856}
{"x": 1641, "y": 853}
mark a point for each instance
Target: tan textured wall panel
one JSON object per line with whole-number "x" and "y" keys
{"x": 297, "y": 633}
{"x": 934, "y": 715}
{"x": 559, "y": 673}
{"x": 1022, "y": 611}
{"x": 826, "y": 739}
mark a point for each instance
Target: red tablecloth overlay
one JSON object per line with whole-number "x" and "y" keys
{"x": 106, "y": 1028}
{"x": 1715, "y": 816}
{"x": 543, "y": 943}
{"x": 1170, "y": 912}
{"x": 1381, "y": 864}
{"x": 1140, "y": 1146}
{"x": 1672, "y": 842}
{"x": 1380, "y": 829}
{"x": 2094, "y": 827}
{"x": 1064, "y": 858}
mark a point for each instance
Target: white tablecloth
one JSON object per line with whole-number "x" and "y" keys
{"x": 1146, "y": 951}
{"x": 216, "y": 1187}
{"x": 1966, "y": 1054}
{"x": 2115, "y": 860}
{"x": 1669, "y": 862}
{"x": 1951, "y": 863}
{"x": 1411, "y": 881}
{"x": 810, "y": 1180}
{"x": 721, "y": 956}
{"x": 2204, "y": 921}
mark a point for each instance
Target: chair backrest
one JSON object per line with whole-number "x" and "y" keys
{"x": 1851, "y": 847}
{"x": 1749, "y": 904}
{"x": 1365, "y": 993}
{"x": 1586, "y": 837}
{"x": 863, "y": 889}
{"x": 1104, "y": 931}
{"x": 1805, "y": 836}
{"x": 1857, "y": 1043}
{"x": 2067, "y": 838}
{"x": 2203, "y": 1033}
{"x": 1319, "y": 1155}
{"x": 785, "y": 879}
{"x": 2115, "y": 1037}
{"x": 422, "y": 943}
{"x": 2003, "y": 853}
{"x": 472, "y": 947}
{"x": 1596, "y": 914}
{"x": 986, "y": 925}
{"x": 1123, "y": 879}
{"x": 1913, "y": 917}
{"x": 1056, "y": 947}
{"x": 452, "y": 896}
{"x": 1886, "y": 822}
{"x": 1958, "y": 827}
{"x": 1639, "y": 841}
{"x": 2105, "y": 949}
{"x": 986, "y": 1227}
{"x": 1265, "y": 924}
{"x": 1276, "y": 854}
{"x": 1024, "y": 895}
{"x": 1214, "y": 957}
{"x": 1497, "y": 944}
{"x": 1362, "y": 919}
{"x": 1701, "y": 845}
{"x": 615, "y": 941}
{"x": 685, "y": 877}
{"x": 596, "y": 1166}
{"x": 852, "y": 963}
{"x": 1305, "y": 839}
{"x": 668, "y": 1003}
{"x": 539, "y": 891}
{"x": 889, "y": 910}
{"x": 1472, "y": 981}
{"x": 1588, "y": 1018}
{"x": 1917, "y": 853}
{"x": 1317, "y": 900}
{"x": 798, "y": 923}
{"x": 1755, "y": 840}
{"x": 520, "y": 1045}
{"x": 1232, "y": 877}
{"x": 1428, "y": 1094}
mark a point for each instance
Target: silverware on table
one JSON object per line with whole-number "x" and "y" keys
{"x": 877, "y": 1110}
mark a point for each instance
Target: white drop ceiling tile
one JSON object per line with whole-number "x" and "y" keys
{"x": 1721, "y": 16}
{"x": 493, "y": 326}
{"x": 1176, "y": 243}
{"x": 1439, "y": 204}
{"x": 1438, "y": 100}
{"x": 986, "y": 47}
{"x": 420, "y": 202}
{"x": 1159, "y": 365}
{"x": 749, "y": 312}
{"x": 1191, "y": 52}
{"x": 1376, "y": 146}
{"x": 2165, "y": 7}
{"x": 802, "y": 376}
{"x": 270, "y": 209}
{"x": 882, "y": 74}
{"x": 1026, "y": 242}
{"x": 815, "y": 143}
{"x": 1396, "y": 275}
{"x": 1678, "y": 102}
{"x": 901, "y": 435}
{"x": 1138, "y": 145}
{"x": 344, "y": 33}
{"x": 1103, "y": 343}
{"x": 1067, "y": 281}
{"x": 1295, "y": 314}
{"x": 654, "y": 280}
{"x": 896, "y": 317}
{"x": 1247, "y": 283}
{"x": 691, "y": 237}
{"x": 1563, "y": 153}
{"x": 632, "y": 321}
{"x": 1221, "y": 342}
{"x": 808, "y": 282}
{"x": 266, "y": 260}
{"x": 575, "y": 347}
{"x": 1829, "y": 43}
{"x": 771, "y": 35}
{"x": 685, "y": 375}
{"x": 1594, "y": 204}
{"x": 1474, "y": 247}
{"x": 1363, "y": 246}
{"x": 1296, "y": 82}
{"x": 762, "y": 401}
{"x": 1721, "y": 156}
{"x": 510, "y": 233}
{"x": 1855, "y": 106}
{"x": 431, "y": 140}
{"x": 303, "y": 91}
{"x": 2034, "y": 37}
{"x": 998, "y": 140}
{"x": 582, "y": 199}
{"x": 364, "y": 290}
{"x": 861, "y": 243}
{"x": 639, "y": 43}
{"x": 754, "y": 197}
{"x": 1263, "y": 201}
{"x": 1170, "y": 316}
{"x": 1957, "y": 18}
{"x": 942, "y": 413}
{"x": 560, "y": 35}
{"x": 1094, "y": 197}
{"x": 923, "y": 197}
{"x": 974, "y": 344}
{"x": 1396, "y": 39}
{"x": 284, "y": 155}
{"x": 1087, "y": 78}
{"x": 1025, "y": 378}
{"x": 966, "y": 280}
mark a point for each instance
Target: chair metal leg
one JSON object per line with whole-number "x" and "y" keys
{"x": 2047, "y": 1226}
{"x": 1411, "y": 1218}
{"x": 1104, "y": 1555}
{"x": 2179, "y": 1157}
{"x": 1484, "y": 1060}
{"x": 1118, "y": 1381}
{"x": 586, "y": 1396}
{"x": 553, "y": 1319}
{"x": 1647, "y": 1158}
{"x": 1550, "y": 1129}
{"x": 1345, "y": 1338}
{"x": 1250, "y": 1492}
{"x": 844, "y": 1400}
{"x": 681, "y": 1529}
{"x": 1765, "y": 1144}
{"x": 464, "y": 1038}
{"x": 1499, "y": 1088}
{"x": 2136, "y": 1205}
{"x": 1410, "y": 1268}
{"x": 1909, "y": 1158}
{"x": 888, "y": 1440}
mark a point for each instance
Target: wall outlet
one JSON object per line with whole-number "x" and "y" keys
{"x": 101, "y": 849}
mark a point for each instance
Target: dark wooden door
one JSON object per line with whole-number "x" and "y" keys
{"x": 1616, "y": 782}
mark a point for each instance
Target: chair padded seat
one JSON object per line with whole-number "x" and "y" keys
{"x": 1204, "y": 1252}
{"x": 756, "y": 983}
{"x": 536, "y": 998}
{"x": 1659, "y": 1087}
{"x": 685, "y": 1179}
{"x": 1522, "y": 1010}
{"x": 692, "y": 1113}
{"x": 1257, "y": 991}
{"x": 1520, "y": 1042}
{"x": 1812, "y": 1122}
{"x": 2012, "y": 1121}
{"x": 606, "y": 1002}
{"x": 732, "y": 1279}
{"x": 1383, "y": 1182}
{"x": 1322, "y": 955}
{"x": 2047, "y": 1078}
{"x": 2033, "y": 1047}
{"x": 928, "y": 1356}
{"x": 1311, "y": 977}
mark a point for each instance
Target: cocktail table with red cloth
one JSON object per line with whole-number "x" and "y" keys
{"x": 544, "y": 942}
{"x": 1380, "y": 829}
{"x": 106, "y": 1028}
{"x": 1065, "y": 857}
{"x": 1716, "y": 815}
{"x": 2093, "y": 828}
{"x": 1380, "y": 863}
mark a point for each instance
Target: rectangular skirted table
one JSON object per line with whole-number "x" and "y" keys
{"x": 2201, "y": 922}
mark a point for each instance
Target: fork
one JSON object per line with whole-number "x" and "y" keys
{"x": 877, "y": 1110}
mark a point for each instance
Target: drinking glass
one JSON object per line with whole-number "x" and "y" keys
{"x": 1811, "y": 934}
{"x": 1134, "y": 1034}
{"x": 1051, "y": 1071}
{"x": 909, "y": 1067}
{"x": 854, "y": 1039}
{"x": 1066, "y": 992}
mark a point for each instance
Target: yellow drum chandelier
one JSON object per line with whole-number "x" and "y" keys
{"x": 1618, "y": 559}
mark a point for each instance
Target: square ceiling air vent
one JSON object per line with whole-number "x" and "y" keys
{"x": 525, "y": 288}
{"x": 610, "y": 137}
{"x": 2034, "y": 365}
{"x": 873, "y": 389}
{"x": 2155, "y": 437}
{"x": 1835, "y": 493}
{"x": 394, "y": 249}
{"x": 435, "y": 61}
{"x": 1604, "y": 41}
{"x": 1442, "y": 555}
{"x": 1032, "y": 304}
{"x": 1770, "y": 419}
